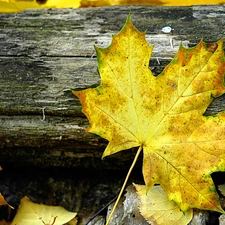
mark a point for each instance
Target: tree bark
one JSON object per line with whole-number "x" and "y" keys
{"x": 44, "y": 54}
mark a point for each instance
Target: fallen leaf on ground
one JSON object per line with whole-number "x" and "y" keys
{"x": 74, "y": 221}
{"x": 2, "y": 199}
{"x": 222, "y": 189}
{"x": 30, "y": 213}
{"x": 4, "y": 202}
{"x": 163, "y": 114}
{"x": 157, "y": 209}
{"x": 3, "y": 222}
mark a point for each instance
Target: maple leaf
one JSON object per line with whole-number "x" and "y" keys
{"x": 30, "y": 213}
{"x": 163, "y": 114}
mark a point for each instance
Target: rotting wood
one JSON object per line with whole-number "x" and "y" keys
{"x": 46, "y": 53}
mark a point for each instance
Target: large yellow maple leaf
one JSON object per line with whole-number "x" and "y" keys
{"x": 163, "y": 114}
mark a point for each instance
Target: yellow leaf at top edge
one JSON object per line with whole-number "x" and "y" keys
{"x": 11, "y": 6}
{"x": 163, "y": 113}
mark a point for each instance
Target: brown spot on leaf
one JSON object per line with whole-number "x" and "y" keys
{"x": 211, "y": 47}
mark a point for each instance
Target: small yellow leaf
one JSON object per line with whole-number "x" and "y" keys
{"x": 30, "y": 213}
{"x": 2, "y": 199}
{"x": 157, "y": 209}
{"x": 4, "y": 202}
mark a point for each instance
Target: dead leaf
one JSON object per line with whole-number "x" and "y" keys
{"x": 157, "y": 209}
{"x": 74, "y": 221}
{"x": 4, "y": 202}
{"x": 222, "y": 189}
{"x": 163, "y": 114}
{"x": 2, "y": 199}
{"x": 3, "y": 222}
{"x": 30, "y": 213}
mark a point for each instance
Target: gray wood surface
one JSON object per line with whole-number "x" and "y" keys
{"x": 46, "y": 53}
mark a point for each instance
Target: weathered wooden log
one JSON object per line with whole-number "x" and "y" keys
{"x": 44, "y": 54}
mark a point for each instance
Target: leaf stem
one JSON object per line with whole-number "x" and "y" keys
{"x": 124, "y": 184}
